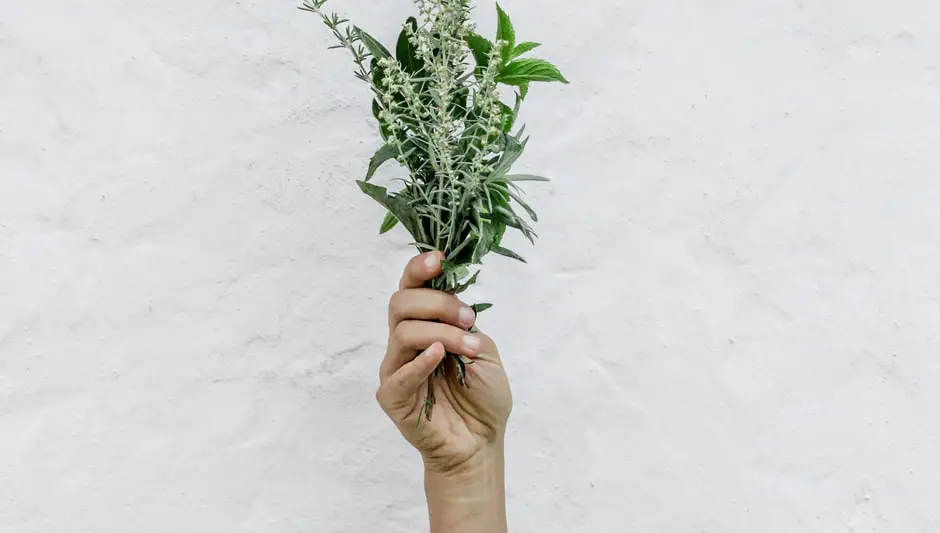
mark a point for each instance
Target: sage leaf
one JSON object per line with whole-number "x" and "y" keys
{"x": 524, "y": 177}
{"x": 388, "y": 224}
{"x": 398, "y": 207}
{"x": 528, "y": 209}
{"x": 385, "y": 153}
{"x": 374, "y": 46}
{"x": 487, "y": 239}
{"x": 505, "y": 252}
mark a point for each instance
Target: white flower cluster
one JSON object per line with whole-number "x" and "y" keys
{"x": 445, "y": 116}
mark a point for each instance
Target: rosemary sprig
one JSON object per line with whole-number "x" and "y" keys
{"x": 438, "y": 105}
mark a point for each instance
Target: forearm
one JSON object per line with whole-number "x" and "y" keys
{"x": 470, "y": 500}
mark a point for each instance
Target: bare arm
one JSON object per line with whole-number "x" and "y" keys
{"x": 472, "y": 500}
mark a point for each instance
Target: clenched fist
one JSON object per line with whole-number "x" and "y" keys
{"x": 468, "y": 422}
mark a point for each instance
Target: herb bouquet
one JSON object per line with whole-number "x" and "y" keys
{"x": 443, "y": 119}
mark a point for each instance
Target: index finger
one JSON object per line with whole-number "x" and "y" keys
{"x": 420, "y": 270}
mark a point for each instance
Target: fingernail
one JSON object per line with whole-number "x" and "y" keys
{"x": 431, "y": 261}
{"x": 432, "y": 350}
{"x": 471, "y": 343}
{"x": 466, "y": 317}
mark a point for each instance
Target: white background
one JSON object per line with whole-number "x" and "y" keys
{"x": 730, "y": 324}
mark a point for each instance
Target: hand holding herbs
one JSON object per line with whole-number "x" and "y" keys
{"x": 441, "y": 116}
{"x": 424, "y": 324}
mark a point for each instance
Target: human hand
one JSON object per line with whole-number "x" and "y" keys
{"x": 468, "y": 423}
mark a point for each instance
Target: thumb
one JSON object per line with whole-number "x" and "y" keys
{"x": 403, "y": 385}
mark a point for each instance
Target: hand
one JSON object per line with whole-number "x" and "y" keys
{"x": 468, "y": 423}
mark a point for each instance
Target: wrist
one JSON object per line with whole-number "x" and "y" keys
{"x": 469, "y": 497}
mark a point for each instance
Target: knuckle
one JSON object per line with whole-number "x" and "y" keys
{"x": 400, "y": 334}
{"x": 395, "y": 303}
{"x": 446, "y": 306}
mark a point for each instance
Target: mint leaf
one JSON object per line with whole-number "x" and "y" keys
{"x": 481, "y": 48}
{"x": 523, "y": 71}
{"x": 524, "y": 48}
{"x": 505, "y": 32}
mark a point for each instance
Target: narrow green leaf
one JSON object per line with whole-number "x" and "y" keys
{"x": 479, "y": 308}
{"x": 388, "y": 224}
{"x": 507, "y": 216}
{"x": 505, "y": 32}
{"x": 505, "y": 252}
{"x": 528, "y": 70}
{"x": 528, "y": 209}
{"x": 524, "y": 48}
{"x": 385, "y": 153}
{"x": 524, "y": 177}
{"x": 374, "y": 46}
{"x": 510, "y": 219}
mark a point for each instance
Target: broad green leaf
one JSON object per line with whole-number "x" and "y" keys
{"x": 383, "y": 127}
{"x": 479, "y": 308}
{"x": 485, "y": 242}
{"x": 374, "y": 46}
{"x": 481, "y": 48}
{"x": 388, "y": 224}
{"x": 505, "y": 32}
{"x": 524, "y": 48}
{"x": 528, "y": 70}
{"x": 378, "y": 73}
{"x": 500, "y": 232}
{"x": 509, "y": 117}
{"x": 384, "y": 154}
{"x": 524, "y": 177}
{"x": 395, "y": 205}
{"x": 405, "y": 51}
{"x": 505, "y": 252}
{"x": 523, "y": 90}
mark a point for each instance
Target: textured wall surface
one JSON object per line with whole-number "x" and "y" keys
{"x": 731, "y": 323}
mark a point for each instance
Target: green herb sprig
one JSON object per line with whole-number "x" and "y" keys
{"x": 438, "y": 104}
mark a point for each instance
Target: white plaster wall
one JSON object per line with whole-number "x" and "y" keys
{"x": 731, "y": 323}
